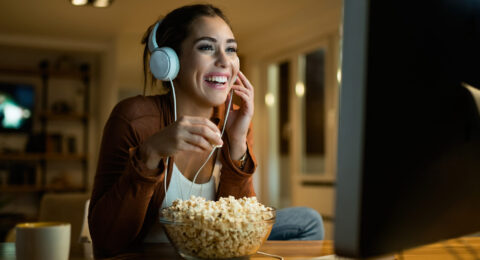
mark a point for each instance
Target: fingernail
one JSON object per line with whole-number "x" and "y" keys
{"x": 217, "y": 145}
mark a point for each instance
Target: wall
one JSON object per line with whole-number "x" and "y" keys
{"x": 307, "y": 28}
{"x": 129, "y": 55}
{"x": 316, "y": 25}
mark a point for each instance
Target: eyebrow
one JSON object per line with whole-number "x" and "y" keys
{"x": 211, "y": 39}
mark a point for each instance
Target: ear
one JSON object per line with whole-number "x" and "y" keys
{"x": 164, "y": 64}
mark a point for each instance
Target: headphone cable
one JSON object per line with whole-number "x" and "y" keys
{"x": 211, "y": 153}
{"x": 214, "y": 147}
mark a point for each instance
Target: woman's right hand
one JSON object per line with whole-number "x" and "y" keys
{"x": 188, "y": 133}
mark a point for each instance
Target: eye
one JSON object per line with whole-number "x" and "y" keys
{"x": 232, "y": 49}
{"x": 205, "y": 47}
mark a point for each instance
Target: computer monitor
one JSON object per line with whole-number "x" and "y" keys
{"x": 408, "y": 169}
{"x": 17, "y": 102}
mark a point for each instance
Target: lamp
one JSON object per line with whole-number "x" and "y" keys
{"x": 95, "y": 3}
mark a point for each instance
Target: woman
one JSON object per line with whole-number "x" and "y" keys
{"x": 142, "y": 133}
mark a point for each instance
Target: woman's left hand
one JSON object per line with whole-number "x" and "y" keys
{"x": 239, "y": 120}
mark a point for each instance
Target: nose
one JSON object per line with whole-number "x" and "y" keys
{"x": 221, "y": 59}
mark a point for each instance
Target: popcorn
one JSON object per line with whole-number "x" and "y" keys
{"x": 218, "y": 229}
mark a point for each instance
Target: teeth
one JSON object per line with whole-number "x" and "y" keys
{"x": 219, "y": 79}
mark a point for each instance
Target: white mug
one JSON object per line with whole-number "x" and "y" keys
{"x": 42, "y": 241}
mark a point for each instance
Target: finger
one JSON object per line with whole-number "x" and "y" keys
{"x": 193, "y": 120}
{"x": 238, "y": 82}
{"x": 185, "y": 146}
{"x": 248, "y": 94}
{"x": 245, "y": 81}
{"x": 238, "y": 88}
{"x": 198, "y": 141}
{"x": 244, "y": 96}
{"x": 185, "y": 135}
{"x": 205, "y": 132}
{"x": 247, "y": 106}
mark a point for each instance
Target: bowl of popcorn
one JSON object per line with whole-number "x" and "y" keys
{"x": 225, "y": 229}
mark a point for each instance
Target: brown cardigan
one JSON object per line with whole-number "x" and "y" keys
{"x": 127, "y": 195}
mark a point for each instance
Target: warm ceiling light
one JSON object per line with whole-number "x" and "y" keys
{"x": 269, "y": 99}
{"x": 79, "y": 2}
{"x": 101, "y": 3}
{"x": 300, "y": 89}
{"x": 95, "y": 3}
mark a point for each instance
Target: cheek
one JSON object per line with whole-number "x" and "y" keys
{"x": 236, "y": 64}
{"x": 189, "y": 68}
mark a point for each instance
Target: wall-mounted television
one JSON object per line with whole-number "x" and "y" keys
{"x": 17, "y": 103}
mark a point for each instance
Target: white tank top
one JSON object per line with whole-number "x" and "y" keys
{"x": 179, "y": 188}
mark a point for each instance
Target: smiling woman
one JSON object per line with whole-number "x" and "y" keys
{"x": 149, "y": 158}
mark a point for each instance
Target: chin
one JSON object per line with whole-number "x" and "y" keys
{"x": 217, "y": 100}
{"x": 216, "y": 97}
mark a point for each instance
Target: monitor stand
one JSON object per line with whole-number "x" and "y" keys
{"x": 335, "y": 257}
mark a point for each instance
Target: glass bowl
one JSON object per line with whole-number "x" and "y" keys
{"x": 201, "y": 238}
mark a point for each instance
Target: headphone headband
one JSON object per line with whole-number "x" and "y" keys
{"x": 152, "y": 41}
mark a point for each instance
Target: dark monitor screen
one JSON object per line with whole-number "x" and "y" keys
{"x": 16, "y": 107}
{"x": 408, "y": 169}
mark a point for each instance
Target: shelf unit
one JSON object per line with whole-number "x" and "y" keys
{"x": 45, "y": 116}
{"x": 41, "y": 156}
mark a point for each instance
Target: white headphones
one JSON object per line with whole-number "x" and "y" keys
{"x": 164, "y": 63}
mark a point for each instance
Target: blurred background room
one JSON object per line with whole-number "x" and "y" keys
{"x": 64, "y": 67}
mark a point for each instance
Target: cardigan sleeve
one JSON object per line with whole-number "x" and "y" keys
{"x": 233, "y": 180}
{"x": 122, "y": 190}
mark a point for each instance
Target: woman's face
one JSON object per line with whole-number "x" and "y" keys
{"x": 209, "y": 63}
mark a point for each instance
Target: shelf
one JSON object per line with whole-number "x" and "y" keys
{"x": 21, "y": 188}
{"x": 39, "y": 72}
{"x": 60, "y": 156}
{"x": 20, "y": 71}
{"x": 41, "y": 156}
{"x": 20, "y": 157}
{"x": 58, "y": 127}
{"x": 69, "y": 116}
{"x": 65, "y": 189}
{"x": 52, "y": 135}
{"x": 32, "y": 188}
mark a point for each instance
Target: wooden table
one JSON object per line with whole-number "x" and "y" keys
{"x": 465, "y": 248}
{"x": 286, "y": 249}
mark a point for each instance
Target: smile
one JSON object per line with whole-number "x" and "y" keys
{"x": 216, "y": 81}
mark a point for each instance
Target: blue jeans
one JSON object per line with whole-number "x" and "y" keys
{"x": 298, "y": 223}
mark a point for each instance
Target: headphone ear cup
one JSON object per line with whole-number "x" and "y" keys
{"x": 164, "y": 64}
